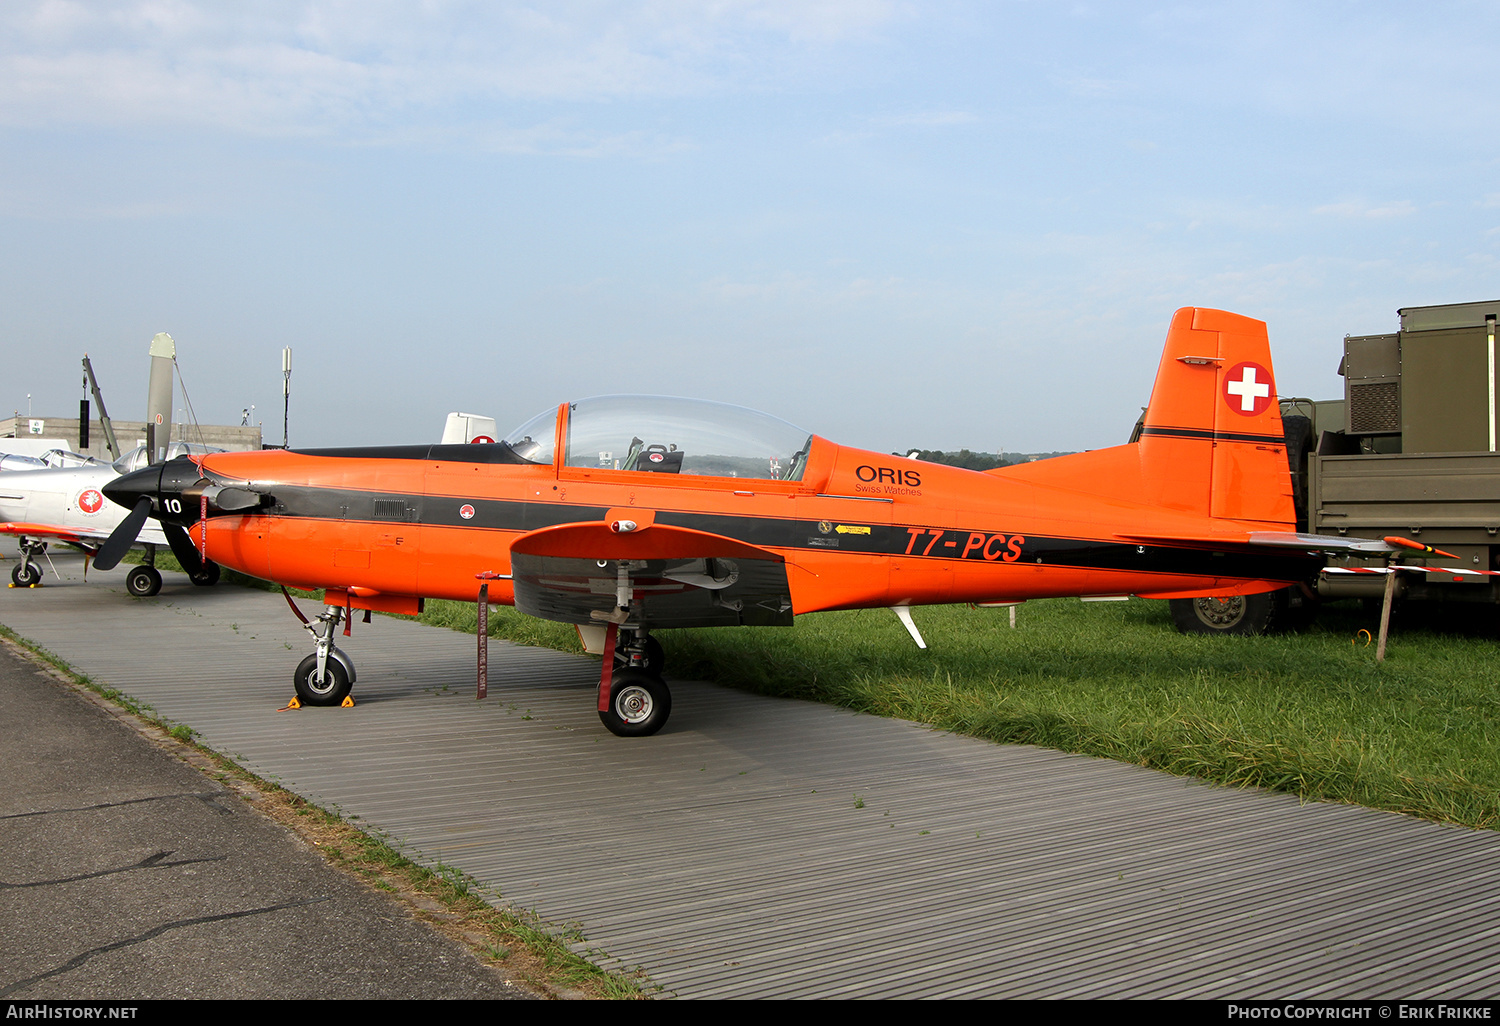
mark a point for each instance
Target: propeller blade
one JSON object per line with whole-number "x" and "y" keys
{"x": 120, "y": 540}
{"x": 183, "y": 548}
{"x": 159, "y": 394}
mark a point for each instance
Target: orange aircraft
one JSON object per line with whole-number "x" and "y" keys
{"x": 629, "y": 514}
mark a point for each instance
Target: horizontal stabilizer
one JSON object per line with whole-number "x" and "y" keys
{"x": 1318, "y": 542}
{"x": 1273, "y": 539}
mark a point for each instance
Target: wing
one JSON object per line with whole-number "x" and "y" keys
{"x": 84, "y": 537}
{"x": 89, "y": 538}
{"x": 666, "y": 576}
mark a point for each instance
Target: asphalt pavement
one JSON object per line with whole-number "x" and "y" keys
{"x": 130, "y": 875}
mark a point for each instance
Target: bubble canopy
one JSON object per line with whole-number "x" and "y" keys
{"x": 668, "y": 435}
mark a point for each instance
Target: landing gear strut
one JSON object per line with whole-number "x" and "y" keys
{"x": 325, "y": 677}
{"x": 635, "y": 648}
{"x": 27, "y": 573}
{"x": 633, "y": 699}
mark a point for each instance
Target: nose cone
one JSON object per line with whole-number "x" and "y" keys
{"x": 127, "y": 489}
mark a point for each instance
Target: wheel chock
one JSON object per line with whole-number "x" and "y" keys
{"x": 347, "y": 703}
{"x": 293, "y": 704}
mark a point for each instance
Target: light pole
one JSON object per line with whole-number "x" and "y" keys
{"x": 286, "y": 392}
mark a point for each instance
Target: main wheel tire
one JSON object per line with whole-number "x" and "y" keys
{"x": 25, "y": 573}
{"x": 639, "y": 704}
{"x": 656, "y": 658}
{"x": 208, "y": 576}
{"x": 331, "y": 690}
{"x": 1233, "y": 614}
{"x": 143, "y": 581}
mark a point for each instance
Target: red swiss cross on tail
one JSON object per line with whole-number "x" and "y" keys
{"x": 1248, "y": 388}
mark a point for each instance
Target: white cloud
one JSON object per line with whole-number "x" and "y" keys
{"x": 289, "y": 67}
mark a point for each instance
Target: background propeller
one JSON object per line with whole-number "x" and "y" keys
{"x": 123, "y": 536}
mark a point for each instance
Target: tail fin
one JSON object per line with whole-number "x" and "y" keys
{"x": 1212, "y": 440}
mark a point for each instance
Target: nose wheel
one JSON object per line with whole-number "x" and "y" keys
{"x": 28, "y": 572}
{"x": 329, "y": 689}
{"x": 325, "y": 677}
{"x": 143, "y": 581}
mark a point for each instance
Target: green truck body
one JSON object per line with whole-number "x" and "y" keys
{"x": 1411, "y": 450}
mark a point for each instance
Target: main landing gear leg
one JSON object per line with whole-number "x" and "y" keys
{"x": 26, "y": 574}
{"x": 633, "y": 699}
{"x": 636, "y": 649}
{"x": 325, "y": 677}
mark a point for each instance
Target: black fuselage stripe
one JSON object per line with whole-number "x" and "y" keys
{"x": 912, "y": 541}
{"x": 1213, "y": 436}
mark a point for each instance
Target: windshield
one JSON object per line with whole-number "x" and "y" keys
{"x": 64, "y": 458}
{"x": 15, "y": 461}
{"x": 135, "y": 459}
{"x": 667, "y": 435}
{"x": 533, "y": 440}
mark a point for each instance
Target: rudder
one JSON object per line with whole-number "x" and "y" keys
{"x": 1212, "y": 440}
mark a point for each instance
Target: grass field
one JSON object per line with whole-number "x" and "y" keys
{"x": 1311, "y": 714}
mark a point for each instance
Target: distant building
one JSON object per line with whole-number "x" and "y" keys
{"x": 129, "y": 433}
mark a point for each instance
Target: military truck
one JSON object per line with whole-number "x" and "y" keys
{"x": 1410, "y": 450}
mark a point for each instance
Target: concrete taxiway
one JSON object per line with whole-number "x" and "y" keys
{"x": 767, "y": 848}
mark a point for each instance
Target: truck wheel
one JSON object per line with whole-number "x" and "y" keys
{"x": 1232, "y": 614}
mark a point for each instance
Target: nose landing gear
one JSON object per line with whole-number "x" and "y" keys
{"x": 27, "y": 573}
{"x": 326, "y": 676}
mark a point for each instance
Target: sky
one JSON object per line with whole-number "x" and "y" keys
{"x": 897, "y": 224}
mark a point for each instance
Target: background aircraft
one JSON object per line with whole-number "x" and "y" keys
{"x": 67, "y": 504}
{"x": 624, "y": 515}
{"x": 49, "y": 458}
